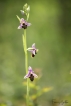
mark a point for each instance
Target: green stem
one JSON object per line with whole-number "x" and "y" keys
{"x": 26, "y": 64}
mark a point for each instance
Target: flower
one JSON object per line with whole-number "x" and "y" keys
{"x": 23, "y": 24}
{"x": 33, "y": 50}
{"x": 30, "y": 74}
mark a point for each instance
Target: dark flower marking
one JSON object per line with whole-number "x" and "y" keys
{"x": 31, "y": 77}
{"x": 23, "y": 24}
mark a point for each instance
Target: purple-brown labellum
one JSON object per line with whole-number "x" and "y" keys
{"x": 24, "y": 26}
{"x": 33, "y": 55}
{"x": 31, "y": 77}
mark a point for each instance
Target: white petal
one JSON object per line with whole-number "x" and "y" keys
{"x": 26, "y": 76}
{"x": 22, "y": 20}
{"x": 33, "y": 52}
{"x": 33, "y": 45}
{"x": 35, "y": 75}
{"x": 30, "y": 49}
{"x": 28, "y": 24}
{"x": 30, "y": 68}
{"x": 19, "y": 27}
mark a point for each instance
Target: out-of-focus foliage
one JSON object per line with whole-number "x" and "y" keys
{"x": 51, "y": 31}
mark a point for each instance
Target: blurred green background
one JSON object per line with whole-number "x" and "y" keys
{"x": 51, "y": 31}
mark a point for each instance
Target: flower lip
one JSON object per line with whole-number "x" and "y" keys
{"x": 30, "y": 74}
{"x": 31, "y": 77}
{"x": 33, "y": 55}
{"x": 33, "y": 45}
{"x": 23, "y": 24}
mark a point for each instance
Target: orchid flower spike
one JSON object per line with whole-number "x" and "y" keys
{"x": 33, "y": 50}
{"x": 23, "y": 24}
{"x": 30, "y": 74}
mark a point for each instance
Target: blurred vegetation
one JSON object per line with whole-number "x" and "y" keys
{"x": 51, "y": 31}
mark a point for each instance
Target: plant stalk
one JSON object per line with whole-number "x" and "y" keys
{"x": 26, "y": 64}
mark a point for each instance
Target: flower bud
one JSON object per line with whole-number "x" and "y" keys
{"x": 28, "y": 9}
{"x": 22, "y": 12}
